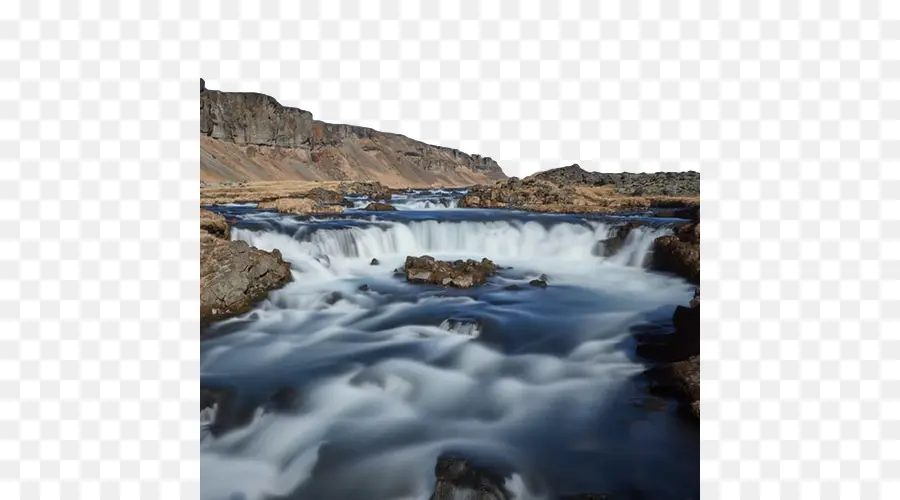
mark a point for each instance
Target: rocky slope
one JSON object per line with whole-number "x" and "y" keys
{"x": 249, "y": 137}
{"x": 570, "y": 195}
{"x": 233, "y": 275}
{"x": 627, "y": 184}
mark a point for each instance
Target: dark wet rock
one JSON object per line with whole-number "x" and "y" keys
{"x": 587, "y": 496}
{"x": 235, "y": 276}
{"x": 374, "y": 262}
{"x": 232, "y": 412}
{"x": 325, "y": 196}
{"x": 679, "y": 253}
{"x": 333, "y": 298}
{"x": 680, "y": 380}
{"x": 616, "y": 238}
{"x": 284, "y": 399}
{"x": 690, "y": 213}
{"x": 457, "y": 274}
{"x": 538, "y": 283}
{"x": 681, "y": 377}
{"x": 363, "y": 288}
{"x": 460, "y": 479}
{"x": 379, "y": 207}
{"x": 512, "y": 287}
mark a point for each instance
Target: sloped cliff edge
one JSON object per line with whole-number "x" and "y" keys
{"x": 251, "y": 137}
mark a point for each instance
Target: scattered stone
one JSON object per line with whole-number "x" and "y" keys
{"x": 459, "y": 479}
{"x": 457, "y": 274}
{"x": 299, "y": 206}
{"x": 538, "y": 283}
{"x": 374, "y": 262}
{"x": 379, "y": 207}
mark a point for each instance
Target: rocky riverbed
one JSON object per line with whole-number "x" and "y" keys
{"x": 436, "y": 352}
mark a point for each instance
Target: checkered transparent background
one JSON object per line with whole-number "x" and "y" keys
{"x": 789, "y": 109}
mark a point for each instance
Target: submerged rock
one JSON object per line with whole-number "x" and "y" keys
{"x": 363, "y": 288}
{"x": 374, "y": 262}
{"x": 512, "y": 287}
{"x": 616, "y": 238}
{"x": 459, "y": 479}
{"x": 379, "y": 207}
{"x": 538, "y": 283}
{"x": 457, "y": 274}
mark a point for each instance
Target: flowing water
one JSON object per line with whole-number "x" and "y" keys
{"x": 539, "y": 382}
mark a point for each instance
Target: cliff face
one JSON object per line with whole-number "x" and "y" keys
{"x": 250, "y": 136}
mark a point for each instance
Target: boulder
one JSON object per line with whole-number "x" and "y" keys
{"x": 538, "y": 283}
{"x": 374, "y": 262}
{"x": 379, "y": 207}
{"x": 679, "y": 253}
{"x": 235, "y": 276}
{"x": 460, "y": 479}
{"x": 299, "y": 206}
{"x": 457, "y": 274}
{"x": 324, "y": 196}
{"x": 214, "y": 224}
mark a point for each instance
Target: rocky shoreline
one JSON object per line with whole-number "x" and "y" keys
{"x": 233, "y": 275}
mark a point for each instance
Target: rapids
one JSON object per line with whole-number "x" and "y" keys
{"x": 541, "y": 383}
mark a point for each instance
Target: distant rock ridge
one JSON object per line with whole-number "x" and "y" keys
{"x": 241, "y": 130}
{"x": 630, "y": 184}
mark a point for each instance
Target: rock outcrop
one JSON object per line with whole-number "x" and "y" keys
{"x": 251, "y": 136}
{"x": 233, "y": 275}
{"x": 457, "y": 274}
{"x": 544, "y": 195}
{"x": 299, "y": 206}
{"x": 679, "y": 253}
{"x": 460, "y": 479}
{"x": 628, "y": 184}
